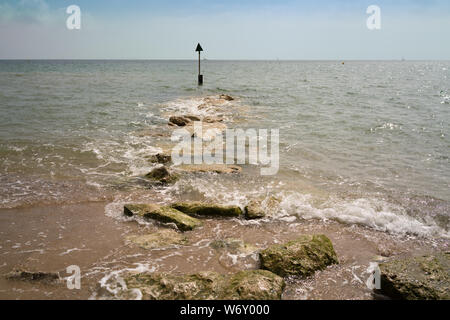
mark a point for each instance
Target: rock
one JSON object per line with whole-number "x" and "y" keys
{"x": 205, "y": 209}
{"x": 302, "y": 256}
{"x": 161, "y": 174}
{"x": 254, "y": 210}
{"x": 139, "y": 209}
{"x": 245, "y": 285}
{"x": 235, "y": 254}
{"x": 163, "y": 214}
{"x": 226, "y": 97}
{"x": 208, "y": 129}
{"x": 192, "y": 118}
{"x": 161, "y": 157}
{"x": 254, "y": 285}
{"x": 417, "y": 278}
{"x": 179, "y": 121}
{"x": 212, "y": 119}
{"x": 160, "y": 239}
{"x": 209, "y": 168}
{"x": 44, "y": 277}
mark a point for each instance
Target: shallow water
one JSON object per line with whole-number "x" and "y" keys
{"x": 364, "y": 142}
{"x": 364, "y": 158}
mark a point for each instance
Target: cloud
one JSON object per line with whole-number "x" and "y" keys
{"x": 25, "y": 11}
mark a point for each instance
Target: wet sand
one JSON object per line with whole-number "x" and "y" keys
{"x": 51, "y": 238}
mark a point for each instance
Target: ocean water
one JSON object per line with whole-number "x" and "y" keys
{"x": 365, "y": 142}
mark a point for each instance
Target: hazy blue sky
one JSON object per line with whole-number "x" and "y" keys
{"x": 244, "y": 29}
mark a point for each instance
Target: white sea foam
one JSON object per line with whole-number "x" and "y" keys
{"x": 372, "y": 213}
{"x": 291, "y": 205}
{"x": 114, "y": 283}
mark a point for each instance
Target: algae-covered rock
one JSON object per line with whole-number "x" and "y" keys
{"x": 206, "y": 209}
{"x": 302, "y": 256}
{"x": 163, "y": 286}
{"x": 161, "y": 174}
{"x": 164, "y": 214}
{"x": 417, "y": 278}
{"x": 33, "y": 276}
{"x": 256, "y": 284}
{"x": 160, "y": 239}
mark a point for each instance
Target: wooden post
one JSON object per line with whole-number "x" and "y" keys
{"x": 200, "y": 76}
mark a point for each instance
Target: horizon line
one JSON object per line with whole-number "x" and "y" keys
{"x": 195, "y": 60}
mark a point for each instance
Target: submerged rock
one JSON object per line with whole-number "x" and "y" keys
{"x": 235, "y": 254}
{"x": 244, "y": 285}
{"x": 192, "y": 117}
{"x": 162, "y": 175}
{"x": 212, "y": 119}
{"x": 233, "y": 245}
{"x": 417, "y": 278}
{"x": 206, "y": 209}
{"x": 38, "y": 276}
{"x": 209, "y": 168}
{"x": 302, "y": 256}
{"x": 163, "y": 214}
{"x": 160, "y": 239}
{"x": 209, "y": 129}
{"x": 226, "y": 97}
{"x": 162, "y": 157}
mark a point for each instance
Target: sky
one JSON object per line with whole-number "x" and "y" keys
{"x": 227, "y": 30}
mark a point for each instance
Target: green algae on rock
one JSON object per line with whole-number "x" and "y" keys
{"x": 301, "y": 257}
{"x": 206, "y": 209}
{"x": 418, "y": 278}
{"x": 245, "y": 285}
{"x": 254, "y": 285}
{"x": 159, "y": 239}
{"x": 164, "y": 214}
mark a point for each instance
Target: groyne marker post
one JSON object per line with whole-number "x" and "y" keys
{"x": 200, "y": 76}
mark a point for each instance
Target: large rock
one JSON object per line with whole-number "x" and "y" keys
{"x": 254, "y": 285}
{"x": 206, "y": 209}
{"x": 245, "y": 285}
{"x": 163, "y": 214}
{"x": 301, "y": 257}
{"x": 162, "y": 175}
{"x": 160, "y": 239}
{"x": 417, "y": 278}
